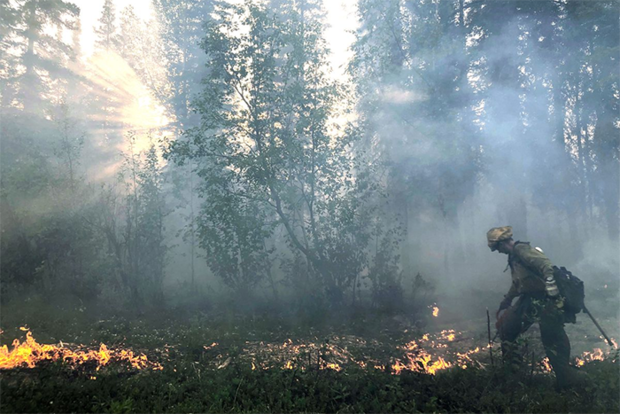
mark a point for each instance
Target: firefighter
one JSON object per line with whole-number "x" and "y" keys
{"x": 538, "y": 301}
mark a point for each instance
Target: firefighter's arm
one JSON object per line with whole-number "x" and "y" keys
{"x": 507, "y": 301}
{"x": 536, "y": 260}
{"x": 513, "y": 292}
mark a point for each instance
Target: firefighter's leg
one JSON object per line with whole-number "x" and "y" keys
{"x": 556, "y": 343}
{"x": 509, "y": 330}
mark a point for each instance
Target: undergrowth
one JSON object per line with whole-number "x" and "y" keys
{"x": 185, "y": 386}
{"x": 189, "y": 382}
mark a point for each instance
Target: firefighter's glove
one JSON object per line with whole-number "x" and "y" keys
{"x": 551, "y": 288}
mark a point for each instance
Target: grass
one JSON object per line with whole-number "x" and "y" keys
{"x": 191, "y": 382}
{"x": 184, "y": 387}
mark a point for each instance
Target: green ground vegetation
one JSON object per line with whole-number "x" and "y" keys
{"x": 190, "y": 382}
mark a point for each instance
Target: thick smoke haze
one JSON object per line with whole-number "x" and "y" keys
{"x": 206, "y": 151}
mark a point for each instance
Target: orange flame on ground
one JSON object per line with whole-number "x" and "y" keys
{"x": 418, "y": 359}
{"x": 596, "y": 355}
{"x": 30, "y": 352}
{"x": 333, "y": 366}
{"x": 422, "y": 362}
{"x": 293, "y": 355}
{"x": 448, "y": 334}
{"x": 546, "y": 365}
{"x": 435, "y": 311}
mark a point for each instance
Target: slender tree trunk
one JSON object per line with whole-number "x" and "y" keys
{"x": 581, "y": 136}
{"x": 606, "y": 135}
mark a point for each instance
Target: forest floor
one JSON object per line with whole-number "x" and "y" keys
{"x": 362, "y": 362}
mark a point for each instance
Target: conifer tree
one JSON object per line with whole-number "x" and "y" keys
{"x": 181, "y": 25}
{"x": 106, "y": 31}
{"x": 31, "y": 27}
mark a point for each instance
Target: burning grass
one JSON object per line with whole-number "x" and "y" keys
{"x": 30, "y": 353}
{"x": 187, "y": 385}
{"x": 431, "y": 353}
{"x": 204, "y": 365}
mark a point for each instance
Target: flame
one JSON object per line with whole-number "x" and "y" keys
{"x": 30, "y": 352}
{"x": 448, "y": 335}
{"x": 419, "y": 359}
{"x": 613, "y": 341}
{"x": 596, "y": 355}
{"x": 435, "y": 311}
{"x": 422, "y": 362}
{"x": 429, "y": 354}
{"x": 333, "y": 366}
{"x": 545, "y": 364}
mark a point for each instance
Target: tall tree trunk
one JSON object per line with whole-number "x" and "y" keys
{"x": 606, "y": 135}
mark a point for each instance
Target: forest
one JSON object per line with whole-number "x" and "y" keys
{"x": 201, "y": 212}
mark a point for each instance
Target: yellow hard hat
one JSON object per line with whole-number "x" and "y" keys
{"x": 497, "y": 234}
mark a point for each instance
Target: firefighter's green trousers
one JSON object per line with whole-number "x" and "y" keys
{"x": 528, "y": 309}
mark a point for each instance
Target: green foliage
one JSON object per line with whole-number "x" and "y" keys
{"x": 60, "y": 236}
{"x": 384, "y": 273}
{"x": 138, "y": 243}
{"x": 267, "y": 157}
{"x": 49, "y": 244}
{"x": 180, "y": 24}
{"x": 140, "y": 45}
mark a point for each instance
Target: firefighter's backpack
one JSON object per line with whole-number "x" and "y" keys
{"x": 571, "y": 288}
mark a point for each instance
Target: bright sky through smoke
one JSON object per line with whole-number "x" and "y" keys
{"x": 341, "y": 20}
{"x": 90, "y": 11}
{"x": 138, "y": 110}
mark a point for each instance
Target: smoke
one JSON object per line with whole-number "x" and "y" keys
{"x": 525, "y": 177}
{"x": 127, "y": 105}
{"x": 469, "y": 127}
